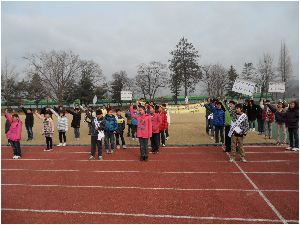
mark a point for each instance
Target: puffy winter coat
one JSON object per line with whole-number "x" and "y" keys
{"x": 156, "y": 122}
{"x": 266, "y": 112}
{"x": 219, "y": 115}
{"x": 51, "y": 124}
{"x": 76, "y": 119}
{"x": 111, "y": 123}
{"x": 62, "y": 122}
{"x": 144, "y": 129}
{"x": 121, "y": 124}
{"x": 164, "y": 121}
{"x": 278, "y": 116}
{"x": 292, "y": 118}
{"x": 15, "y": 131}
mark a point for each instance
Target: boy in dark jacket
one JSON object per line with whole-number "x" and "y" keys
{"x": 111, "y": 129}
{"x": 29, "y": 120}
{"x": 98, "y": 125}
{"x": 120, "y": 130}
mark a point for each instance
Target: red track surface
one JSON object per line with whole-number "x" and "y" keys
{"x": 178, "y": 185}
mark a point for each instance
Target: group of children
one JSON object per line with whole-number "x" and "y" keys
{"x": 220, "y": 114}
{"x": 102, "y": 124}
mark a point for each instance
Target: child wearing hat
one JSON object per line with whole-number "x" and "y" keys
{"x": 14, "y": 133}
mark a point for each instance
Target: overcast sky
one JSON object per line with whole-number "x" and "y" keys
{"x": 121, "y": 35}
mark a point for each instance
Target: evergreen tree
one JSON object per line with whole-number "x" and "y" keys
{"x": 184, "y": 66}
{"x": 232, "y": 75}
{"x": 119, "y": 83}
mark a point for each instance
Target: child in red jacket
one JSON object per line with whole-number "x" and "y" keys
{"x": 144, "y": 130}
{"x": 14, "y": 133}
{"x": 163, "y": 126}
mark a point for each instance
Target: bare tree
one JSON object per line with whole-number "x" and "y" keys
{"x": 151, "y": 78}
{"x": 285, "y": 68}
{"x": 9, "y": 77}
{"x": 220, "y": 79}
{"x": 266, "y": 72}
{"x": 207, "y": 78}
{"x": 56, "y": 69}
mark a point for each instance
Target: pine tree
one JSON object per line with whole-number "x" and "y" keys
{"x": 232, "y": 75}
{"x": 184, "y": 66}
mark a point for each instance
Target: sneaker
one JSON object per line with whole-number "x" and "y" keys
{"x": 206, "y": 134}
{"x": 167, "y": 138}
{"x": 64, "y": 144}
{"x": 226, "y": 150}
{"x": 155, "y": 152}
{"x": 266, "y": 137}
{"x": 124, "y": 146}
{"x": 92, "y": 158}
{"x": 289, "y": 148}
{"x": 221, "y": 143}
{"x": 14, "y": 157}
{"x": 100, "y": 157}
{"x": 142, "y": 158}
{"x": 243, "y": 160}
{"x": 47, "y": 149}
{"x": 75, "y": 139}
{"x": 211, "y": 138}
{"x": 278, "y": 143}
{"x": 283, "y": 143}
{"x": 132, "y": 139}
{"x": 111, "y": 151}
{"x": 270, "y": 138}
{"x": 146, "y": 158}
{"x": 231, "y": 160}
{"x": 152, "y": 151}
{"x": 164, "y": 145}
{"x": 118, "y": 147}
{"x": 259, "y": 133}
{"x": 107, "y": 151}
{"x": 295, "y": 149}
{"x": 136, "y": 139}
{"x": 50, "y": 149}
{"x": 60, "y": 144}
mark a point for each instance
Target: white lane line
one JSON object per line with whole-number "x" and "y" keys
{"x": 146, "y": 215}
{"x": 162, "y": 172}
{"x": 142, "y": 188}
{"x": 261, "y": 194}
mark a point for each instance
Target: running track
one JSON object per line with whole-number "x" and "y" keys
{"x": 178, "y": 185}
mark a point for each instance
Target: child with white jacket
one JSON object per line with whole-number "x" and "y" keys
{"x": 62, "y": 126}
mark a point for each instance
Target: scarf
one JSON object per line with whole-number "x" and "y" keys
{"x": 100, "y": 133}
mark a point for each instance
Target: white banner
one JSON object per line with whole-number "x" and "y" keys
{"x": 277, "y": 87}
{"x": 243, "y": 86}
{"x": 126, "y": 95}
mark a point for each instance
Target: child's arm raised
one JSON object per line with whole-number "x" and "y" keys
{"x": 132, "y": 113}
{"x": 38, "y": 115}
{"x": 8, "y": 116}
{"x": 56, "y": 114}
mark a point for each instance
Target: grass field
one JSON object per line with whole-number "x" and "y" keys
{"x": 185, "y": 129}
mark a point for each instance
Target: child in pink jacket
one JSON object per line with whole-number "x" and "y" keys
{"x": 47, "y": 129}
{"x": 144, "y": 130}
{"x": 14, "y": 133}
{"x": 156, "y": 122}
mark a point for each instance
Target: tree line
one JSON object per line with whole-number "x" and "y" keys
{"x": 61, "y": 76}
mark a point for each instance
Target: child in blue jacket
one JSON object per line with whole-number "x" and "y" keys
{"x": 134, "y": 123}
{"x": 111, "y": 129}
{"x": 218, "y": 120}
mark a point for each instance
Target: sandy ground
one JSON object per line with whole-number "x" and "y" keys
{"x": 185, "y": 129}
